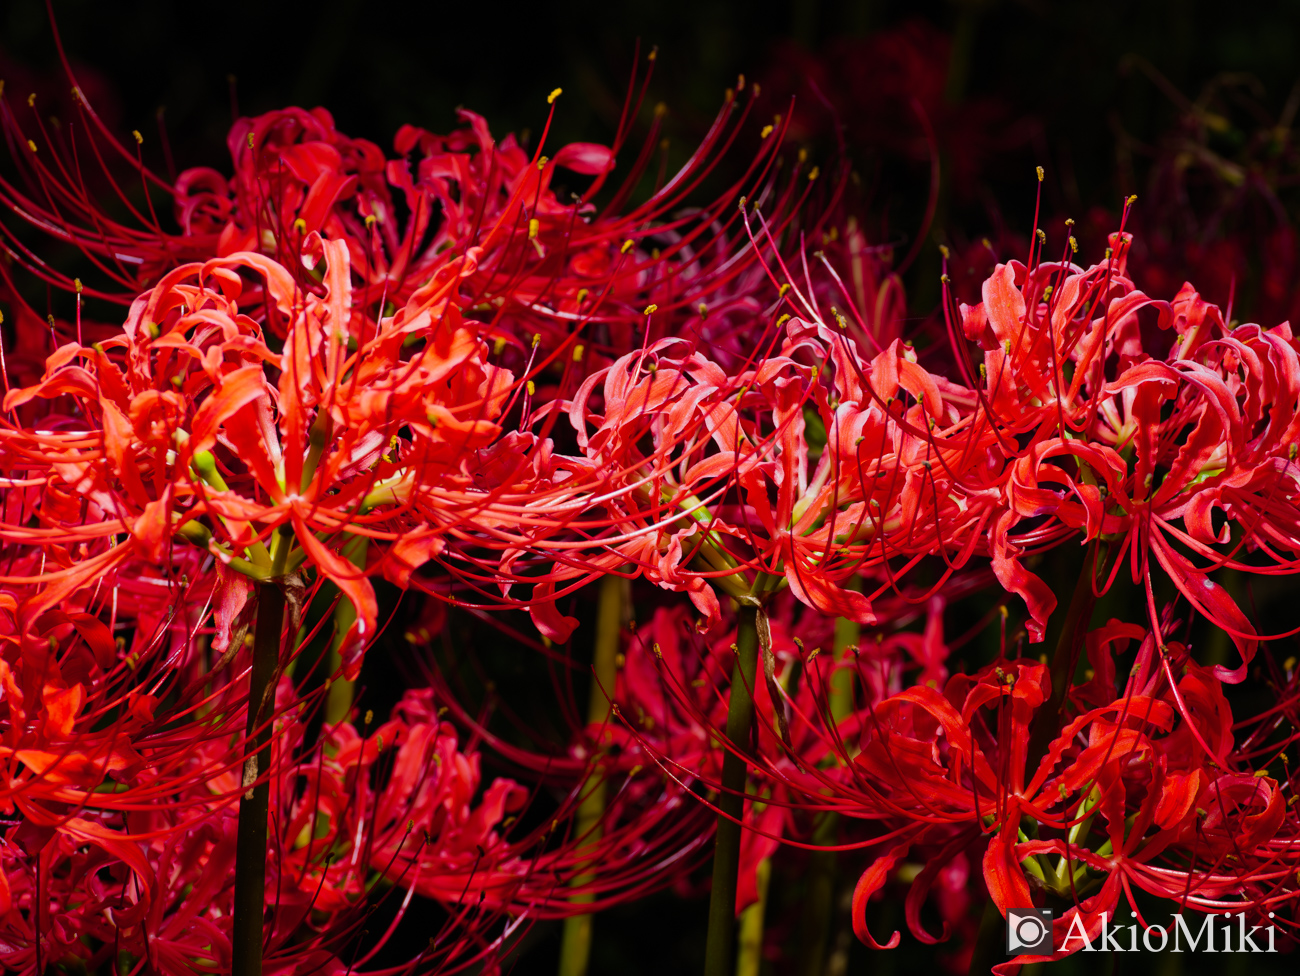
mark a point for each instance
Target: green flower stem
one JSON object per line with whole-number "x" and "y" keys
{"x": 815, "y": 926}
{"x": 250, "y": 850}
{"x": 575, "y": 947}
{"x": 749, "y": 951}
{"x": 339, "y": 698}
{"x": 1065, "y": 656}
{"x": 986, "y": 952}
{"x": 731, "y": 801}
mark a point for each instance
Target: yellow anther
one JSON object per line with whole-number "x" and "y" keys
{"x": 371, "y": 220}
{"x": 139, "y": 139}
{"x": 756, "y": 89}
{"x": 370, "y": 716}
{"x": 740, "y": 83}
{"x": 651, "y": 309}
{"x": 1131, "y": 200}
{"x": 945, "y": 279}
{"x": 803, "y": 155}
{"x": 627, "y": 246}
{"x": 704, "y": 309}
{"x": 943, "y": 249}
{"x": 582, "y": 295}
{"x": 250, "y": 140}
{"x": 654, "y": 53}
{"x": 531, "y": 387}
{"x": 31, "y": 145}
{"x": 533, "y": 226}
{"x": 987, "y": 243}
{"x": 550, "y": 99}
{"x": 1041, "y": 174}
{"x": 783, "y": 320}
{"x": 76, "y": 283}
{"x": 578, "y": 350}
{"x": 31, "y": 99}
{"x": 1042, "y": 235}
{"x": 300, "y": 226}
{"x": 767, "y": 131}
{"x": 783, "y": 290}
{"x": 498, "y": 345}
{"x": 814, "y": 173}
{"x": 537, "y": 337}
{"x": 1074, "y": 246}
{"x": 660, "y": 110}
{"x": 541, "y": 163}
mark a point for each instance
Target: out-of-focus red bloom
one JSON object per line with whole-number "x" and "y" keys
{"x": 887, "y": 93}
{"x": 153, "y": 880}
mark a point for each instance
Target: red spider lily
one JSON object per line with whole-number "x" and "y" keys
{"x": 1201, "y": 435}
{"x": 183, "y": 427}
{"x": 814, "y": 526}
{"x": 1185, "y": 819}
{"x": 151, "y": 883}
{"x": 547, "y": 266}
{"x": 673, "y": 700}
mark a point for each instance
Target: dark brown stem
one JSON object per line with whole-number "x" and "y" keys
{"x": 1065, "y": 657}
{"x": 721, "y": 945}
{"x": 250, "y": 848}
{"x": 985, "y": 953}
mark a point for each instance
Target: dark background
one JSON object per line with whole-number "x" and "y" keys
{"x": 1102, "y": 94}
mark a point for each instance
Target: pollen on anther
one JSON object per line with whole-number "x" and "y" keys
{"x": 550, "y": 99}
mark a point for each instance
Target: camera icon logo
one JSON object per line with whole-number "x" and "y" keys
{"x": 1029, "y": 932}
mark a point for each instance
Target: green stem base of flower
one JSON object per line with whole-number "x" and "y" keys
{"x": 250, "y": 846}
{"x": 721, "y": 942}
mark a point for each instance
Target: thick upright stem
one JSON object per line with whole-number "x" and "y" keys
{"x": 818, "y": 902}
{"x": 731, "y": 802}
{"x": 575, "y": 947}
{"x": 339, "y": 698}
{"x": 986, "y": 953}
{"x": 749, "y": 949}
{"x": 1065, "y": 656}
{"x": 250, "y": 849}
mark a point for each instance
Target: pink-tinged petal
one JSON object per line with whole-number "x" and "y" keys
{"x": 588, "y": 158}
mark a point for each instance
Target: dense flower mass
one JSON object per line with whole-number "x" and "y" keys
{"x": 872, "y": 610}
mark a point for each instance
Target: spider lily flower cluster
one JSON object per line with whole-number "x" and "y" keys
{"x": 436, "y": 370}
